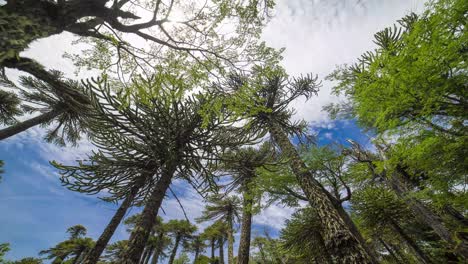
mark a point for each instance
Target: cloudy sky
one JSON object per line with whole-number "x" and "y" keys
{"x": 318, "y": 35}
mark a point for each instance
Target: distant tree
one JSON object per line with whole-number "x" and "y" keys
{"x": 196, "y": 245}
{"x": 181, "y": 230}
{"x": 241, "y": 165}
{"x": 77, "y": 231}
{"x": 29, "y": 260}
{"x": 73, "y": 249}
{"x": 227, "y": 209}
{"x": 115, "y": 251}
{"x": 182, "y": 259}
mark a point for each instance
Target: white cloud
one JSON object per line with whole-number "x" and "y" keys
{"x": 321, "y": 34}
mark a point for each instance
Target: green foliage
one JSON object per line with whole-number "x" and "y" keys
{"x": 42, "y": 97}
{"x": 301, "y": 238}
{"x": 182, "y": 259}
{"x": 29, "y": 260}
{"x": 202, "y": 259}
{"x": 4, "y": 248}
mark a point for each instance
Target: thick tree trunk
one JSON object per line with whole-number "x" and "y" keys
{"x": 399, "y": 184}
{"x": 221, "y": 250}
{"x": 159, "y": 248}
{"x": 174, "y": 250}
{"x": 22, "y": 126}
{"x": 410, "y": 242}
{"x": 246, "y": 227}
{"x": 339, "y": 239}
{"x": 101, "y": 243}
{"x": 141, "y": 232}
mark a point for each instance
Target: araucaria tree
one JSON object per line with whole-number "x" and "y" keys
{"x": 263, "y": 98}
{"x": 181, "y": 230}
{"x": 224, "y": 209}
{"x": 152, "y": 132}
{"x": 64, "y": 110}
{"x": 241, "y": 164}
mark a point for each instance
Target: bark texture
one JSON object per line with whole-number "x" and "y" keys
{"x": 230, "y": 237}
{"x": 340, "y": 241}
{"x": 246, "y": 226}
{"x": 103, "y": 240}
{"x": 141, "y": 233}
{"x": 23, "y": 126}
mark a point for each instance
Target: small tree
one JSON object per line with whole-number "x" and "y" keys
{"x": 227, "y": 210}
{"x": 181, "y": 230}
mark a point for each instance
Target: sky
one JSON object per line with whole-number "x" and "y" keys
{"x": 317, "y": 34}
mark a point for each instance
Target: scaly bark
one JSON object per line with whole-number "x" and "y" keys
{"x": 141, "y": 232}
{"x": 230, "y": 241}
{"x": 340, "y": 241}
{"x": 101, "y": 243}
{"x": 246, "y": 227}
{"x": 23, "y": 126}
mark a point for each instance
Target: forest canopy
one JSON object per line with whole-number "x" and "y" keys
{"x": 188, "y": 99}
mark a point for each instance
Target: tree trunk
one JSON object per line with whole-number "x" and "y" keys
{"x": 400, "y": 185}
{"x": 221, "y": 250}
{"x": 262, "y": 253}
{"x": 101, "y": 243}
{"x": 230, "y": 242}
{"x": 455, "y": 215}
{"x": 410, "y": 242}
{"x": 148, "y": 255}
{"x": 141, "y": 232}
{"x": 174, "y": 250}
{"x": 77, "y": 258}
{"x": 22, "y": 126}
{"x": 197, "y": 252}
{"x": 158, "y": 249}
{"x": 390, "y": 251}
{"x": 143, "y": 256}
{"x": 246, "y": 227}
{"x": 339, "y": 239}
{"x": 213, "y": 249}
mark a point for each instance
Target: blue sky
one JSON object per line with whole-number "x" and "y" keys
{"x": 37, "y": 210}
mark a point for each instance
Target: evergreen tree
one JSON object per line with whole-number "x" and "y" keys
{"x": 263, "y": 100}
{"x": 180, "y": 230}
{"x": 61, "y": 106}
{"x": 227, "y": 210}
{"x": 242, "y": 164}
